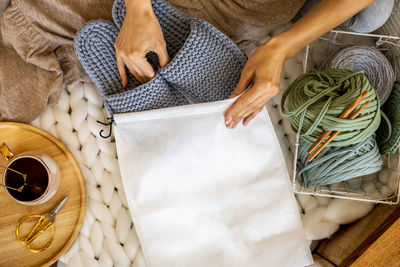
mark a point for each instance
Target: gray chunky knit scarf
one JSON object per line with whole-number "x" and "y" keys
{"x": 205, "y": 64}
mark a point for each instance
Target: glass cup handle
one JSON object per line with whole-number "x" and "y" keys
{"x": 6, "y": 151}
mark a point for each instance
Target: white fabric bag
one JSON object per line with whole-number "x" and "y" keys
{"x": 204, "y": 195}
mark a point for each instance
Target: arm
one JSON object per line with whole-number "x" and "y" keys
{"x": 139, "y": 34}
{"x": 264, "y": 67}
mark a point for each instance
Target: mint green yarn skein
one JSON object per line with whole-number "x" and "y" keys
{"x": 316, "y": 99}
{"x": 337, "y": 164}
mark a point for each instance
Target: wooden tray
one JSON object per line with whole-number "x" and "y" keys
{"x": 22, "y": 137}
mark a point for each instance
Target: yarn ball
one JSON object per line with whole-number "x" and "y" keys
{"x": 389, "y": 144}
{"x": 370, "y": 18}
{"x": 316, "y": 99}
{"x": 367, "y": 20}
{"x": 391, "y": 28}
{"x": 337, "y": 164}
{"x": 376, "y": 67}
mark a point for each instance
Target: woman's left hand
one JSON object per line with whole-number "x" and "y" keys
{"x": 262, "y": 73}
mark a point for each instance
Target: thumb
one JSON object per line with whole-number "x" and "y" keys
{"x": 163, "y": 56}
{"x": 245, "y": 79}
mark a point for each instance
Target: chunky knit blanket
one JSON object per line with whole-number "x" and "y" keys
{"x": 108, "y": 237}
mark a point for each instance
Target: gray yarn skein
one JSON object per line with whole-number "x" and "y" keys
{"x": 337, "y": 164}
{"x": 391, "y": 28}
{"x": 205, "y": 64}
{"x": 367, "y": 20}
{"x": 375, "y": 65}
{"x": 370, "y": 18}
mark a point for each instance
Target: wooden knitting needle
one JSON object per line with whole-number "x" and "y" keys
{"x": 344, "y": 115}
{"x": 335, "y": 133}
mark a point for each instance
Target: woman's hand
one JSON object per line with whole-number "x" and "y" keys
{"x": 262, "y": 73}
{"x": 139, "y": 34}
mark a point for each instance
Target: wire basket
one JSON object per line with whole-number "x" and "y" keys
{"x": 384, "y": 186}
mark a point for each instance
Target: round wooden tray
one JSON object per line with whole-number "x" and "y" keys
{"x": 22, "y": 137}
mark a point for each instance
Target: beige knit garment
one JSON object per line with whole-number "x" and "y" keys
{"x": 36, "y": 42}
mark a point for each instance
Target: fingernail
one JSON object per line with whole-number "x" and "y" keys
{"x": 228, "y": 121}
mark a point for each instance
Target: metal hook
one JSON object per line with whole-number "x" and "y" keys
{"x": 111, "y": 119}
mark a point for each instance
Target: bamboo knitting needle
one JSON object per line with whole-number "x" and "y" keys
{"x": 335, "y": 133}
{"x": 344, "y": 115}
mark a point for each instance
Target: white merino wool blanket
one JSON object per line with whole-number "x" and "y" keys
{"x": 203, "y": 195}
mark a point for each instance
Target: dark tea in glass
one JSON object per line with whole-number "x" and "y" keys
{"x": 29, "y": 177}
{"x": 36, "y": 182}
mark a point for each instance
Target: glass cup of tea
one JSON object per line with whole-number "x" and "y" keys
{"x": 30, "y": 177}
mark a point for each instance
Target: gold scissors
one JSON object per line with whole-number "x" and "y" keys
{"x": 38, "y": 228}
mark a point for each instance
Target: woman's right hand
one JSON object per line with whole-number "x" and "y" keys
{"x": 140, "y": 33}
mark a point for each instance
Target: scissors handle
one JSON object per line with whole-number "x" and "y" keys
{"x": 29, "y": 238}
{"x": 33, "y": 234}
{"x": 37, "y": 250}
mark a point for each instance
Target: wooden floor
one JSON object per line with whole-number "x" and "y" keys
{"x": 372, "y": 241}
{"x": 385, "y": 251}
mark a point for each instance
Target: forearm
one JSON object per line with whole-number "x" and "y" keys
{"x": 325, "y": 16}
{"x": 137, "y": 6}
{"x": 262, "y": 71}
